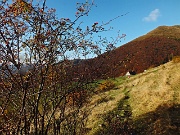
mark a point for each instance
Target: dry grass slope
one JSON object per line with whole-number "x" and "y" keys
{"x": 156, "y": 88}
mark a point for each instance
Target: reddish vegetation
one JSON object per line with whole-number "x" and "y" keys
{"x": 76, "y": 98}
{"x": 150, "y": 50}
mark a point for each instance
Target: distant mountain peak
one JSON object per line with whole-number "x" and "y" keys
{"x": 153, "y": 49}
{"x": 165, "y": 31}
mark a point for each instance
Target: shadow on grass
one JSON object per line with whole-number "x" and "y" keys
{"x": 165, "y": 120}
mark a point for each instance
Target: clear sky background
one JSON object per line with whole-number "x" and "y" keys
{"x": 143, "y": 16}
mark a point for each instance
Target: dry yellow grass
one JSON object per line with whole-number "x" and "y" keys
{"x": 148, "y": 90}
{"x": 160, "y": 85}
{"x": 100, "y": 105}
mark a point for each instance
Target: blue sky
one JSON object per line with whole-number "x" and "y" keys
{"x": 143, "y": 16}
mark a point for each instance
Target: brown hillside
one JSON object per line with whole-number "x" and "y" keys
{"x": 153, "y": 49}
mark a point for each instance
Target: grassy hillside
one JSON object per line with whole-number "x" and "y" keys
{"x": 147, "y": 103}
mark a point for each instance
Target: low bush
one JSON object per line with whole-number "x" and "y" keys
{"x": 106, "y": 85}
{"x": 176, "y": 59}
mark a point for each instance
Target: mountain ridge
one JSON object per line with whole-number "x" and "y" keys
{"x": 163, "y": 31}
{"x": 153, "y": 49}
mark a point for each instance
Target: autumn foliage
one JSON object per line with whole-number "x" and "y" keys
{"x": 176, "y": 59}
{"x": 106, "y": 85}
{"x": 38, "y": 94}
